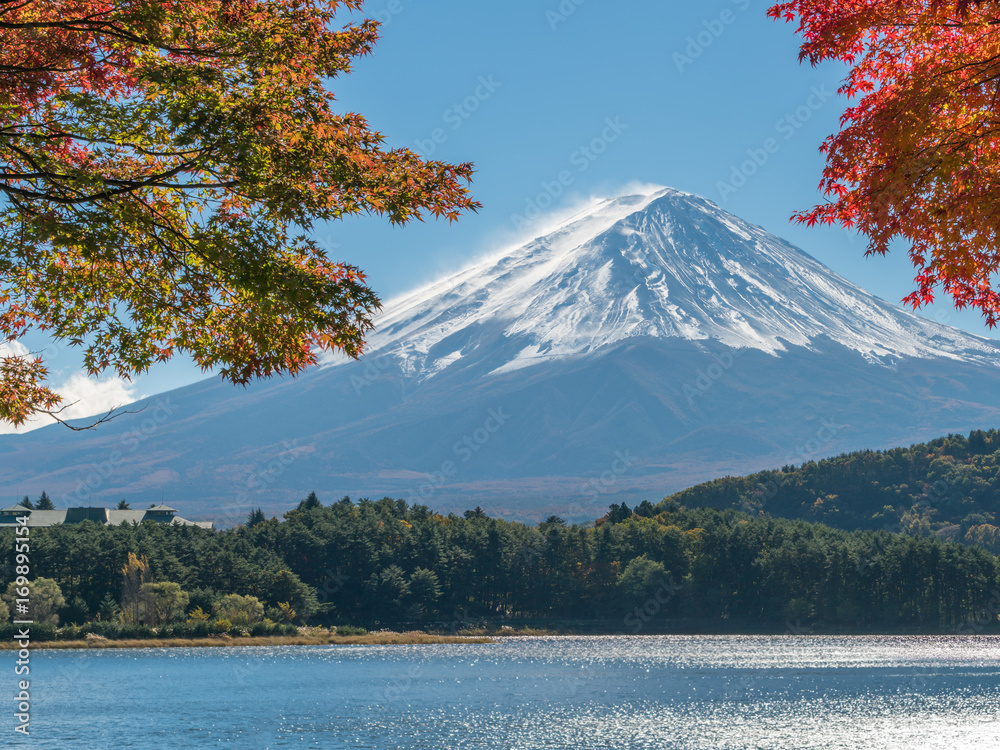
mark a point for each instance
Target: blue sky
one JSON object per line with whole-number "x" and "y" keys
{"x": 706, "y": 97}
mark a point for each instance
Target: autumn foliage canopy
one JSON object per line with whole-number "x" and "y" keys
{"x": 161, "y": 165}
{"x": 917, "y": 158}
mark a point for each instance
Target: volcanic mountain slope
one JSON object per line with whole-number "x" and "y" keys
{"x": 650, "y": 342}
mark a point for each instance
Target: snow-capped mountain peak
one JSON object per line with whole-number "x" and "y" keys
{"x": 665, "y": 264}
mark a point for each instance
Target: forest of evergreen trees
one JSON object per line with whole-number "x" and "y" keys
{"x": 949, "y": 488}
{"x": 384, "y": 563}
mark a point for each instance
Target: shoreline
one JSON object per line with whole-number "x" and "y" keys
{"x": 417, "y": 638}
{"x": 371, "y": 639}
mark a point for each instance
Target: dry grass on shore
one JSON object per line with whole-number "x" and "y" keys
{"x": 370, "y": 639}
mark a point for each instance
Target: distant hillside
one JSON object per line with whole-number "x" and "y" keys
{"x": 949, "y": 487}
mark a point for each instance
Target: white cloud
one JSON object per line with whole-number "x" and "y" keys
{"x": 94, "y": 396}
{"x": 82, "y": 396}
{"x": 12, "y": 349}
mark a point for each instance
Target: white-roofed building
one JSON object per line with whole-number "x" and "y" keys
{"x": 105, "y": 516}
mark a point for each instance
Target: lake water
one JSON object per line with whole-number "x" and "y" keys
{"x": 690, "y": 693}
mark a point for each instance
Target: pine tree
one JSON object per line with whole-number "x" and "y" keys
{"x": 619, "y": 513}
{"x": 645, "y": 509}
{"x": 44, "y": 503}
{"x": 134, "y": 574}
{"x": 310, "y": 503}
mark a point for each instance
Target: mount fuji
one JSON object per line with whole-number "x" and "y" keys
{"x": 650, "y": 342}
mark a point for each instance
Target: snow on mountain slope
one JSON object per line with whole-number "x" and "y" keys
{"x": 654, "y": 326}
{"x": 664, "y": 264}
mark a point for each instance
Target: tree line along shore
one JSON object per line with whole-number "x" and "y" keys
{"x": 353, "y": 567}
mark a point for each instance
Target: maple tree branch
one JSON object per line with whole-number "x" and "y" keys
{"x": 113, "y": 413}
{"x": 123, "y": 187}
{"x": 157, "y": 158}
